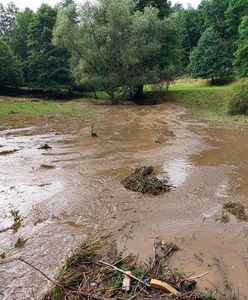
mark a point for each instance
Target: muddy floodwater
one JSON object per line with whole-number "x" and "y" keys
{"x": 72, "y": 192}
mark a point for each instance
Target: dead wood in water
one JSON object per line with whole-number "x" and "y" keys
{"x": 144, "y": 180}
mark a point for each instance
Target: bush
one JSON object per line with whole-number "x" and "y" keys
{"x": 238, "y": 103}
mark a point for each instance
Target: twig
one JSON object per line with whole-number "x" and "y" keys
{"x": 48, "y": 278}
{"x": 198, "y": 276}
{"x": 215, "y": 287}
{"x": 125, "y": 273}
{"x": 172, "y": 248}
{"x": 32, "y": 266}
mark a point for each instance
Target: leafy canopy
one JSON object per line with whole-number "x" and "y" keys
{"x": 241, "y": 55}
{"x": 210, "y": 58}
{"x": 7, "y": 19}
{"x": 10, "y": 74}
{"x": 47, "y": 65}
{"x": 113, "y": 46}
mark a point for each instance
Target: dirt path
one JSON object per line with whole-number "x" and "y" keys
{"x": 82, "y": 196}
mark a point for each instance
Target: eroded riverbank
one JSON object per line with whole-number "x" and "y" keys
{"x": 81, "y": 197}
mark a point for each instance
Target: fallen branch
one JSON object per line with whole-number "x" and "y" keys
{"x": 125, "y": 273}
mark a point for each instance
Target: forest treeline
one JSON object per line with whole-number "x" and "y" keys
{"x": 118, "y": 46}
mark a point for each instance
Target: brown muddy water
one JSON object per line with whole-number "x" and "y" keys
{"x": 81, "y": 197}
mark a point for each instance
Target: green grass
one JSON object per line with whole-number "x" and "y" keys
{"x": 209, "y": 101}
{"x": 29, "y": 108}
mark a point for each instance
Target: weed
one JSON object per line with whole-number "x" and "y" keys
{"x": 17, "y": 219}
{"x": 3, "y": 255}
{"x": 206, "y": 296}
{"x": 20, "y": 242}
{"x": 47, "y": 167}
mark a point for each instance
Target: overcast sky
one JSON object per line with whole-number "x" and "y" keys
{"x": 34, "y": 4}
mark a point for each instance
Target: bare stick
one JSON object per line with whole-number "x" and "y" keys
{"x": 216, "y": 288}
{"x": 198, "y": 276}
{"x": 125, "y": 273}
{"x": 29, "y": 264}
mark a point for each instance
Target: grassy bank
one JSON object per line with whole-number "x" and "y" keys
{"x": 208, "y": 101}
{"x": 32, "y": 108}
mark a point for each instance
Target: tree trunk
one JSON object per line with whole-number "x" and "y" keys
{"x": 95, "y": 94}
{"x": 112, "y": 96}
{"x": 138, "y": 91}
{"x": 212, "y": 79}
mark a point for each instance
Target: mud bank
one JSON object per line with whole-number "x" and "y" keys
{"x": 82, "y": 197}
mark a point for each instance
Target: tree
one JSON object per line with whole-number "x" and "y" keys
{"x": 163, "y": 6}
{"x": 210, "y": 58}
{"x": 241, "y": 55}
{"x": 190, "y": 32}
{"x": 114, "y": 46}
{"x": 7, "y": 20}
{"x": 10, "y": 70}
{"x": 19, "y": 35}
{"x": 236, "y": 10}
{"x": 47, "y": 65}
{"x": 213, "y": 14}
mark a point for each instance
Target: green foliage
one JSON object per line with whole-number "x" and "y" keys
{"x": 206, "y": 296}
{"x": 16, "y": 218}
{"x": 20, "y": 242}
{"x": 164, "y": 6}
{"x": 190, "y": 32}
{"x": 238, "y": 103}
{"x": 236, "y": 10}
{"x": 19, "y": 34}
{"x": 114, "y": 46}
{"x": 47, "y": 65}
{"x": 213, "y": 15}
{"x": 40, "y": 108}
{"x": 211, "y": 57}
{"x": 241, "y": 55}
{"x": 7, "y": 20}
{"x": 10, "y": 69}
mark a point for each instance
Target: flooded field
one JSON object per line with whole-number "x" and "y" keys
{"x": 72, "y": 191}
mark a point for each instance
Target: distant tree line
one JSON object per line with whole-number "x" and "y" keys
{"x": 118, "y": 46}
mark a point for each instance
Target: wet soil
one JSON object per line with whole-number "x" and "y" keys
{"x": 81, "y": 196}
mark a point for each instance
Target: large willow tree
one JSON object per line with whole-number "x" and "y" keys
{"x": 115, "y": 47}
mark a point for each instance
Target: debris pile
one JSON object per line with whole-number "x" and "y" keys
{"x": 45, "y": 147}
{"x": 237, "y": 209}
{"x": 88, "y": 274}
{"x": 144, "y": 180}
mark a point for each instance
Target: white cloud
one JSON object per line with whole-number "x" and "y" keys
{"x": 36, "y": 3}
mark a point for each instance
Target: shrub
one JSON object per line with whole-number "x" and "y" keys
{"x": 238, "y": 103}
